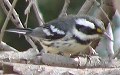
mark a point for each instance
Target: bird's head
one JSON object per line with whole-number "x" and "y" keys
{"x": 88, "y": 27}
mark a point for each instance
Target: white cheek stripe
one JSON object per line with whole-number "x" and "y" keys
{"x": 84, "y": 36}
{"x": 85, "y": 23}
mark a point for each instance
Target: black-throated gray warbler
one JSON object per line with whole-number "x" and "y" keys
{"x": 69, "y": 35}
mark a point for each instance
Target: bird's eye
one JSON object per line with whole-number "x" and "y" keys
{"x": 99, "y": 30}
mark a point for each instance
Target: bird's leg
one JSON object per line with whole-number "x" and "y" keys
{"x": 87, "y": 57}
{"x": 92, "y": 51}
{"x": 41, "y": 52}
{"x": 60, "y": 53}
{"x": 77, "y": 55}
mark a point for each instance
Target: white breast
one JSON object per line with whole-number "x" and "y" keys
{"x": 66, "y": 47}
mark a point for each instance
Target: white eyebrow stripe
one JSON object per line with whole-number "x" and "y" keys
{"x": 85, "y": 23}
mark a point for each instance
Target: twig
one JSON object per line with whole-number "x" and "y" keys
{"x": 105, "y": 14}
{"x": 26, "y": 12}
{"x": 116, "y": 53}
{"x": 7, "y": 19}
{"x": 6, "y": 11}
{"x": 63, "y": 12}
{"x": 106, "y": 11}
{"x": 17, "y": 21}
{"x": 110, "y": 43}
{"x": 86, "y": 7}
{"x": 31, "y": 42}
{"x": 5, "y": 47}
{"x": 38, "y": 13}
{"x": 26, "y": 21}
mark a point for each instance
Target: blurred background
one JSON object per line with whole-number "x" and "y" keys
{"x": 50, "y": 10}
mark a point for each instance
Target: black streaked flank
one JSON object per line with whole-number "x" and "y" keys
{"x": 55, "y": 37}
{"x": 48, "y": 45}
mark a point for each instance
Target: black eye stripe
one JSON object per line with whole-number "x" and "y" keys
{"x": 86, "y": 30}
{"x": 78, "y": 27}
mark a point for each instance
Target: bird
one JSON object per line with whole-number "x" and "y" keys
{"x": 68, "y": 35}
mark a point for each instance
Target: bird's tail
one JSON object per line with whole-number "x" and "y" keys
{"x": 20, "y": 30}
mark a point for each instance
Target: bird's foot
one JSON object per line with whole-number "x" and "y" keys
{"x": 92, "y": 51}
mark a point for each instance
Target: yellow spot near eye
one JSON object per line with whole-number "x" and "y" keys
{"x": 99, "y": 30}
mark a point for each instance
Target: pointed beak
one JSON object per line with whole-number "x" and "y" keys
{"x": 107, "y": 36}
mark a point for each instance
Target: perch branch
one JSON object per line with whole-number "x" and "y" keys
{"x": 31, "y": 56}
{"x": 50, "y": 70}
